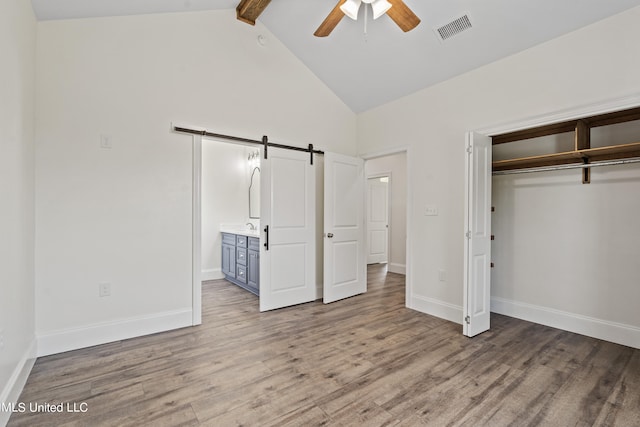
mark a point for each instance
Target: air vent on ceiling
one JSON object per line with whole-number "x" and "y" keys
{"x": 454, "y": 27}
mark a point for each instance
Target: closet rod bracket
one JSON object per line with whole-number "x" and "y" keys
{"x": 586, "y": 172}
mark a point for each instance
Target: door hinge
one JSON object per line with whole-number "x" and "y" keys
{"x": 468, "y": 234}
{"x": 467, "y": 320}
{"x": 469, "y": 149}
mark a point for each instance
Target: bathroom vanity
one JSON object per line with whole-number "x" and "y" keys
{"x": 241, "y": 259}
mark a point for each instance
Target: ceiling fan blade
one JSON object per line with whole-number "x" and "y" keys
{"x": 249, "y": 10}
{"x": 402, "y": 15}
{"x": 330, "y": 21}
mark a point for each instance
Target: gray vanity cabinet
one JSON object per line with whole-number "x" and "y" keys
{"x": 253, "y": 264}
{"x": 241, "y": 261}
{"x": 229, "y": 255}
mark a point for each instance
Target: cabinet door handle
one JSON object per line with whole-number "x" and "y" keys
{"x": 266, "y": 243}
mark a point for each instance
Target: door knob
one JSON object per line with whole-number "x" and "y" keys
{"x": 330, "y": 235}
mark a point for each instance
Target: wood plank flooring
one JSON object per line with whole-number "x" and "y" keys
{"x": 364, "y": 361}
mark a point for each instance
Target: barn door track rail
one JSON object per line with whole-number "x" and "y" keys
{"x": 264, "y": 142}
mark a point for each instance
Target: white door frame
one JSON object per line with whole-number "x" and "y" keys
{"x": 366, "y": 203}
{"x": 408, "y": 281}
{"x": 585, "y": 110}
{"x": 196, "y": 237}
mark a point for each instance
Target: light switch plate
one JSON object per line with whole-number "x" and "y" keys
{"x": 104, "y": 289}
{"x": 105, "y": 142}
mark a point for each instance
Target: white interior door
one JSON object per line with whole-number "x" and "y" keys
{"x": 287, "y": 205}
{"x": 344, "y": 251}
{"x": 377, "y": 220}
{"x": 477, "y": 260}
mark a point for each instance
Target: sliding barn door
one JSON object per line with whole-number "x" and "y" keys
{"x": 477, "y": 260}
{"x": 344, "y": 251}
{"x": 287, "y": 255}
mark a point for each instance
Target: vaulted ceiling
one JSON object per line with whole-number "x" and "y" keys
{"x": 367, "y": 70}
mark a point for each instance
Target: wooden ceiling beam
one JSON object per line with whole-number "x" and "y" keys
{"x": 249, "y": 10}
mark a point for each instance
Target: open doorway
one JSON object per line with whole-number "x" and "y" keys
{"x": 286, "y": 261}
{"x": 328, "y": 195}
{"x": 386, "y": 211}
{"x": 230, "y": 176}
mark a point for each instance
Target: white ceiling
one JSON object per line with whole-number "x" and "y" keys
{"x": 386, "y": 64}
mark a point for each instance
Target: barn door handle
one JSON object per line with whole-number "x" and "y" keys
{"x": 266, "y": 243}
{"x": 330, "y": 235}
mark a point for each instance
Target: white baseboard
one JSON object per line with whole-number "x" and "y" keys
{"x": 437, "y": 308}
{"x": 13, "y": 388}
{"x": 101, "y": 333}
{"x": 394, "y": 267}
{"x": 212, "y": 274}
{"x": 596, "y": 328}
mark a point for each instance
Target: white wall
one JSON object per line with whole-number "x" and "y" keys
{"x": 584, "y": 67}
{"x": 225, "y": 199}
{"x": 17, "y": 81}
{"x": 123, "y": 215}
{"x": 396, "y": 165}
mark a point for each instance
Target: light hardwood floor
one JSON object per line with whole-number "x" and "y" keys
{"x": 366, "y": 361}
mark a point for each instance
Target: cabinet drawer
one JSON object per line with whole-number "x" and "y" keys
{"x": 254, "y": 243}
{"x": 229, "y": 239}
{"x": 241, "y": 256}
{"x": 241, "y": 273}
{"x": 241, "y": 241}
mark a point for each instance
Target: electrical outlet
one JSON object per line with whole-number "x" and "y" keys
{"x": 431, "y": 211}
{"x": 1, "y": 339}
{"x": 104, "y": 289}
{"x": 442, "y": 275}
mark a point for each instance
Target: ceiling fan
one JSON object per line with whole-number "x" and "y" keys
{"x": 249, "y": 10}
{"x": 396, "y": 9}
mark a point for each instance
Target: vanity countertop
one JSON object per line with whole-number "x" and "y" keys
{"x": 243, "y": 231}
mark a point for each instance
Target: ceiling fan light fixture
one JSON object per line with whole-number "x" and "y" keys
{"x": 350, "y": 8}
{"x": 380, "y": 7}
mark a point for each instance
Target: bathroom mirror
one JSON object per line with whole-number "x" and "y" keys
{"x": 254, "y": 194}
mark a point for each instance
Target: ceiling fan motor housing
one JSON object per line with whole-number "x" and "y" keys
{"x": 351, "y": 7}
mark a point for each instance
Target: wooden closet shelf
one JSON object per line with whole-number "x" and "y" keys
{"x": 613, "y": 152}
{"x": 538, "y": 161}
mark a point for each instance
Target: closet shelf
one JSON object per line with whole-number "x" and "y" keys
{"x": 612, "y": 152}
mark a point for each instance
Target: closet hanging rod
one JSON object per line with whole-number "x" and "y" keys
{"x": 563, "y": 167}
{"x": 245, "y": 140}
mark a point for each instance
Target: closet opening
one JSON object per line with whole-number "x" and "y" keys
{"x": 560, "y": 251}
